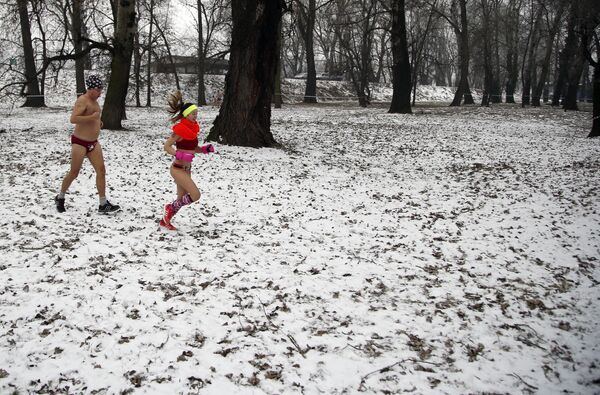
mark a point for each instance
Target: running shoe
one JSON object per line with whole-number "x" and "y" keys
{"x": 165, "y": 225}
{"x": 108, "y": 207}
{"x": 168, "y": 213}
{"x": 60, "y": 204}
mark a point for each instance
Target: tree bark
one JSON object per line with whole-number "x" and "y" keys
{"x": 401, "y": 73}
{"x": 77, "y": 45}
{"x": 245, "y": 115}
{"x": 487, "y": 55}
{"x": 278, "y": 99}
{"x": 595, "y": 132}
{"x": 567, "y": 55}
{"x": 528, "y": 71}
{"x": 137, "y": 67}
{"x": 200, "y": 74}
{"x": 116, "y": 93}
{"x": 462, "y": 33}
{"x": 512, "y": 55}
{"x": 573, "y": 78}
{"x": 33, "y": 95}
{"x": 539, "y": 88}
{"x": 306, "y": 24}
{"x": 149, "y": 68}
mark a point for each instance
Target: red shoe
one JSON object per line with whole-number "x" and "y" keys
{"x": 168, "y": 213}
{"x": 165, "y": 225}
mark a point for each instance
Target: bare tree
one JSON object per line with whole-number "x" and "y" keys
{"x": 355, "y": 24}
{"x": 34, "y": 98}
{"x": 114, "y": 104}
{"x": 459, "y": 22}
{"x": 245, "y": 115}
{"x": 401, "y": 70}
{"x": 553, "y": 24}
{"x": 567, "y": 55}
{"x": 511, "y": 21}
{"x": 590, "y": 33}
{"x": 306, "y": 27}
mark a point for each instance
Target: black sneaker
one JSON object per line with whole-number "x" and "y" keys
{"x": 60, "y": 204}
{"x": 108, "y": 207}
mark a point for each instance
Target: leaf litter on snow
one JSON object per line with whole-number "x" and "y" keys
{"x": 452, "y": 249}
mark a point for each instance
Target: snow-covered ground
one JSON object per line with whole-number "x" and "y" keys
{"x": 449, "y": 251}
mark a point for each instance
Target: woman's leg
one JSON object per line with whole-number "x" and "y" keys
{"x": 187, "y": 192}
{"x": 185, "y": 184}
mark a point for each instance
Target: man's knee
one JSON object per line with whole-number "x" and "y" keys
{"x": 73, "y": 173}
{"x": 101, "y": 171}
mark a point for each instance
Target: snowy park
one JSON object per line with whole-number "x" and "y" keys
{"x": 271, "y": 197}
{"x": 452, "y": 250}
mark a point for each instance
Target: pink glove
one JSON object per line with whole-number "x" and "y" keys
{"x": 208, "y": 148}
{"x": 185, "y": 156}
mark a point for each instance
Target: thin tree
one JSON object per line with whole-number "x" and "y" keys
{"x": 553, "y": 27}
{"x": 511, "y": 28}
{"x": 567, "y": 54}
{"x": 149, "y": 66}
{"x": 401, "y": 73}
{"x": 245, "y": 115}
{"x": 200, "y": 69}
{"x": 33, "y": 94}
{"x": 114, "y": 104}
{"x": 589, "y": 33}
{"x": 306, "y": 26}
{"x": 460, "y": 24}
{"x": 76, "y": 30}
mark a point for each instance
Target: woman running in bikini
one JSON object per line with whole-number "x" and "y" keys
{"x": 185, "y": 140}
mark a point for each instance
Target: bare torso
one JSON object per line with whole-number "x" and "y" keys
{"x": 88, "y": 127}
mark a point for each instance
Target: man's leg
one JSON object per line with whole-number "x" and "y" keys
{"x": 77, "y": 155}
{"x": 97, "y": 160}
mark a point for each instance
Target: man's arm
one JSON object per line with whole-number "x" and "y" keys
{"x": 78, "y": 110}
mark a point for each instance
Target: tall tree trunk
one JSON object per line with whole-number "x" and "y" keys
{"x": 278, "y": 99}
{"x": 496, "y": 88}
{"x": 487, "y": 55}
{"x": 573, "y": 79}
{"x": 595, "y": 132}
{"x": 567, "y": 55}
{"x": 401, "y": 73}
{"x": 201, "y": 88}
{"x": 462, "y": 34}
{"x": 539, "y": 88}
{"x": 245, "y": 115}
{"x": 137, "y": 67}
{"x": 512, "y": 55}
{"x": 527, "y": 73}
{"x": 77, "y": 45}
{"x": 116, "y": 93}
{"x": 306, "y": 23}
{"x": 149, "y": 68}
{"x": 34, "y": 97}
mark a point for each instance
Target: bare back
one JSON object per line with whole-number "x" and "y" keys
{"x": 86, "y": 117}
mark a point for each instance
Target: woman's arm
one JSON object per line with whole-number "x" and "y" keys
{"x": 169, "y": 144}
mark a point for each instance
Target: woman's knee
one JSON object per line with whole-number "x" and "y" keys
{"x": 195, "y": 195}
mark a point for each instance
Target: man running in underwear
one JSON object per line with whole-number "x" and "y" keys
{"x": 84, "y": 143}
